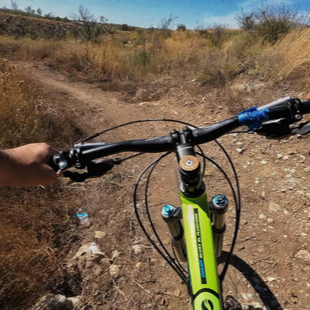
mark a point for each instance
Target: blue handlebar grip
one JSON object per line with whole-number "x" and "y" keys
{"x": 253, "y": 118}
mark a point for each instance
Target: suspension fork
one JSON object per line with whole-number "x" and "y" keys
{"x": 199, "y": 251}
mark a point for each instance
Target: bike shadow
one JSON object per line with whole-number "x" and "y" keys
{"x": 260, "y": 287}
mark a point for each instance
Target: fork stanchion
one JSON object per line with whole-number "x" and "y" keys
{"x": 218, "y": 208}
{"x": 172, "y": 216}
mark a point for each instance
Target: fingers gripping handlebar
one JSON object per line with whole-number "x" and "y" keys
{"x": 82, "y": 155}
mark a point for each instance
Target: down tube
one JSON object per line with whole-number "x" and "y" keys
{"x": 200, "y": 254}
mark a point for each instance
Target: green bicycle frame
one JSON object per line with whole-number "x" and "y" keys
{"x": 202, "y": 266}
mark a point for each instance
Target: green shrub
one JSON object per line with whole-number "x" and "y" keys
{"x": 272, "y": 21}
{"x": 181, "y": 27}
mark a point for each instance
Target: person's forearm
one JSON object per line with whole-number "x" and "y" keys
{"x": 27, "y": 166}
{"x": 6, "y": 168}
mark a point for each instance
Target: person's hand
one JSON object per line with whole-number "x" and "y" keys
{"x": 27, "y": 166}
{"x": 308, "y": 96}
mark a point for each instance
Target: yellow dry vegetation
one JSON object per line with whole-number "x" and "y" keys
{"x": 37, "y": 228}
{"x": 148, "y": 55}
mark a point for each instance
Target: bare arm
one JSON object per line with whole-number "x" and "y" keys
{"x": 27, "y": 166}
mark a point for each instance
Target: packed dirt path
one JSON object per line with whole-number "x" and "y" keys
{"x": 271, "y": 266}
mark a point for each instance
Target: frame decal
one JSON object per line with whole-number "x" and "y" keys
{"x": 203, "y": 275}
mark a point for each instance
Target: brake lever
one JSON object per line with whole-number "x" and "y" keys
{"x": 277, "y": 129}
{"x": 280, "y": 129}
{"x": 75, "y": 176}
{"x": 95, "y": 169}
{"x": 302, "y": 129}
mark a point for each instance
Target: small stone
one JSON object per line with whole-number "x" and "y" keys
{"x": 302, "y": 158}
{"x": 53, "y": 302}
{"x": 100, "y": 234}
{"x": 279, "y": 156}
{"x": 239, "y": 150}
{"x": 177, "y": 293}
{"x": 263, "y": 162}
{"x": 273, "y": 207}
{"x": 303, "y": 255}
{"x": 262, "y": 216}
{"x": 166, "y": 242}
{"x": 137, "y": 249}
{"x": 76, "y": 301}
{"x": 269, "y": 220}
{"x": 270, "y": 279}
{"x": 138, "y": 265}
{"x": 114, "y": 270}
{"x": 115, "y": 254}
{"x": 285, "y": 157}
{"x": 89, "y": 249}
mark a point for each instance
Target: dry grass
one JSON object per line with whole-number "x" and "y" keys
{"x": 39, "y": 227}
{"x": 293, "y": 56}
{"x": 130, "y": 59}
{"x": 39, "y": 224}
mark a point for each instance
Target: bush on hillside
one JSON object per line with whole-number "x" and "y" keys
{"x": 272, "y": 21}
{"x": 89, "y": 27}
{"x": 181, "y": 27}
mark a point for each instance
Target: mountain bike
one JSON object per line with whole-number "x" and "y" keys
{"x": 198, "y": 226}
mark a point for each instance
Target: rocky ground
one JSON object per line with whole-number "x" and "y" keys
{"x": 115, "y": 267}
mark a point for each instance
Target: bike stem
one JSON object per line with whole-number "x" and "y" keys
{"x": 191, "y": 185}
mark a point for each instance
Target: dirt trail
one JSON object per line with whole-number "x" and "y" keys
{"x": 272, "y": 250}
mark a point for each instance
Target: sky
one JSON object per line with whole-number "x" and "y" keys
{"x": 149, "y": 13}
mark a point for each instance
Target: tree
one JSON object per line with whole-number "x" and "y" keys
{"x": 49, "y": 15}
{"x": 166, "y": 23}
{"x": 89, "y": 26}
{"x": 14, "y": 5}
{"x": 28, "y": 9}
{"x": 39, "y": 11}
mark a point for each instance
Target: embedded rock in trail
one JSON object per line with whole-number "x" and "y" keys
{"x": 303, "y": 255}
{"x": 53, "y": 302}
{"x": 88, "y": 256}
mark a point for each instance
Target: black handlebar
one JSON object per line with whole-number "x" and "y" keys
{"x": 81, "y": 155}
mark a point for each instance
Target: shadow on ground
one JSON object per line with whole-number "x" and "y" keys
{"x": 265, "y": 294}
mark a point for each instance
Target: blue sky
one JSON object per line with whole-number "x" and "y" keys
{"x": 146, "y": 13}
